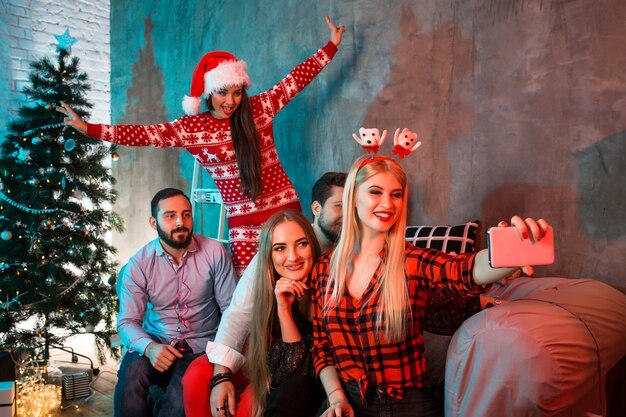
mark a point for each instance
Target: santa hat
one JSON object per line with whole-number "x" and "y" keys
{"x": 216, "y": 70}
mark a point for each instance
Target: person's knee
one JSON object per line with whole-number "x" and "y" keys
{"x": 198, "y": 374}
{"x": 173, "y": 403}
{"x": 134, "y": 367}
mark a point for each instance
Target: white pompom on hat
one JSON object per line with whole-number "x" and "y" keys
{"x": 216, "y": 70}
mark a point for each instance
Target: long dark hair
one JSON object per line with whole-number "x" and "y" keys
{"x": 247, "y": 147}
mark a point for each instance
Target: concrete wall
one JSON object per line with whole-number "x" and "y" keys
{"x": 140, "y": 172}
{"x": 520, "y": 104}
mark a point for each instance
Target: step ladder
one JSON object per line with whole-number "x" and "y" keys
{"x": 199, "y": 196}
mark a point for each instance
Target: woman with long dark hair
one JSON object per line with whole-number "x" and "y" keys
{"x": 279, "y": 358}
{"x": 233, "y": 141}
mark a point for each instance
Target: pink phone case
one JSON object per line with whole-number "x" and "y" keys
{"x": 508, "y": 249}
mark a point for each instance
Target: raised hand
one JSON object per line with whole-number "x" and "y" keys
{"x": 336, "y": 32}
{"x": 72, "y": 118}
{"x": 528, "y": 228}
{"x": 286, "y": 291}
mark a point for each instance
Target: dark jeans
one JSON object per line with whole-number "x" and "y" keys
{"x": 299, "y": 395}
{"x": 135, "y": 376}
{"x": 417, "y": 402}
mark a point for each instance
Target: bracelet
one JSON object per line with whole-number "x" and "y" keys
{"x": 227, "y": 374}
{"x": 219, "y": 381}
{"x": 219, "y": 378}
{"x": 336, "y": 389}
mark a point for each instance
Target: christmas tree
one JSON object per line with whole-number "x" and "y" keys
{"x": 56, "y": 269}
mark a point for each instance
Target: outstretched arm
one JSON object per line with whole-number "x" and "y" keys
{"x": 483, "y": 273}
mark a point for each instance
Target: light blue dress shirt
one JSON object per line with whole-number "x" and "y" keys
{"x": 167, "y": 301}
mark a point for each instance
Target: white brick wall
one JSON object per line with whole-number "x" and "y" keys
{"x": 29, "y": 29}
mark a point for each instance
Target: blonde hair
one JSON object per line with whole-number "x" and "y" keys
{"x": 264, "y": 306}
{"x": 392, "y": 287}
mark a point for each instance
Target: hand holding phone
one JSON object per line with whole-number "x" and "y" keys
{"x": 508, "y": 249}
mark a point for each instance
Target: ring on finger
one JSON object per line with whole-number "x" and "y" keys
{"x": 218, "y": 409}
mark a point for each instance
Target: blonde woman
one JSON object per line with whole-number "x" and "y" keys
{"x": 369, "y": 298}
{"x": 279, "y": 350}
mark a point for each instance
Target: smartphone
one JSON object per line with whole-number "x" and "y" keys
{"x": 508, "y": 249}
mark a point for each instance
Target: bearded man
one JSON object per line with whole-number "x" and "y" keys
{"x": 172, "y": 293}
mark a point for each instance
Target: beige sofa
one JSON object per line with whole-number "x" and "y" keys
{"x": 545, "y": 351}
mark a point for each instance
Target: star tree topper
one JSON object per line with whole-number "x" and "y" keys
{"x": 65, "y": 41}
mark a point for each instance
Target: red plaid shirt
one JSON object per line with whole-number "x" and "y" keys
{"x": 346, "y": 338}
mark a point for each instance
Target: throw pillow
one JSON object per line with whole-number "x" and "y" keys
{"x": 450, "y": 239}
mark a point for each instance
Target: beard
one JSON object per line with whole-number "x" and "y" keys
{"x": 330, "y": 231}
{"x": 170, "y": 240}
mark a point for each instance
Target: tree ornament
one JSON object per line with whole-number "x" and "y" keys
{"x": 35, "y": 140}
{"x": 61, "y": 139}
{"x": 33, "y": 182}
{"x": 89, "y": 328}
{"x": 23, "y": 155}
{"x": 69, "y": 145}
{"x": 6, "y": 235}
{"x": 63, "y": 183}
{"x": 65, "y": 41}
{"x": 50, "y": 281}
{"x": 49, "y": 170}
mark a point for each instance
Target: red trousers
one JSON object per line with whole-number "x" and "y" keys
{"x": 197, "y": 394}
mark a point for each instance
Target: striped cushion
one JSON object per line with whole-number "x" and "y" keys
{"x": 459, "y": 238}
